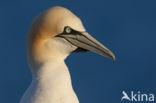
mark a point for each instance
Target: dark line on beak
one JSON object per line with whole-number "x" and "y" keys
{"x": 88, "y": 45}
{"x": 81, "y": 34}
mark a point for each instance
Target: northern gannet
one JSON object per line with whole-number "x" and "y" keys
{"x": 53, "y": 35}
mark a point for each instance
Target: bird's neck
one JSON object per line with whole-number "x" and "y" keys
{"x": 51, "y": 83}
{"x": 52, "y": 73}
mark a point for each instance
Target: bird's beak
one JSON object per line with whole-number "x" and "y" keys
{"x": 85, "y": 41}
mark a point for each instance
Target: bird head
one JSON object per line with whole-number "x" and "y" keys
{"x": 56, "y": 33}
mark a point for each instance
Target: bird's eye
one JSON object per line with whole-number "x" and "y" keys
{"x": 68, "y": 29}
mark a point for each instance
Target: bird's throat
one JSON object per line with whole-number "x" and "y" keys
{"x": 51, "y": 83}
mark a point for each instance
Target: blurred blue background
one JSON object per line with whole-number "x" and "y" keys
{"x": 127, "y": 27}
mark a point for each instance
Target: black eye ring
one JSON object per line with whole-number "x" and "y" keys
{"x": 67, "y": 29}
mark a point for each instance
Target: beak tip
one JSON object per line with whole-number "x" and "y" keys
{"x": 113, "y": 57}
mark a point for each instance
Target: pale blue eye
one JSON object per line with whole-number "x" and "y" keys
{"x": 68, "y": 30}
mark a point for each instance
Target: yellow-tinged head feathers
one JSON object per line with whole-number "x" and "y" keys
{"x": 47, "y": 39}
{"x": 45, "y": 26}
{"x": 53, "y": 21}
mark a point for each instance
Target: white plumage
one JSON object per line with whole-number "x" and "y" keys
{"x": 53, "y": 35}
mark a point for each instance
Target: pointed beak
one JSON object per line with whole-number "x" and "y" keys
{"x": 85, "y": 41}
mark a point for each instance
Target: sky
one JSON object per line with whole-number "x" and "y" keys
{"x": 126, "y": 27}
